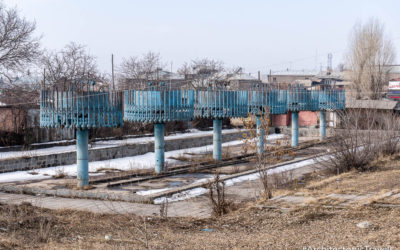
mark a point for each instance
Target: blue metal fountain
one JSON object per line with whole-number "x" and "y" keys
{"x": 301, "y": 99}
{"x": 219, "y": 104}
{"x": 264, "y": 101}
{"x": 81, "y": 105}
{"x": 158, "y": 105}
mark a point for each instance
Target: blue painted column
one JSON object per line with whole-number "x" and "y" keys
{"x": 159, "y": 146}
{"x": 322, "y": 124}
{"x": 260, "y": 136}
{"x": 295, "y": 129}
{"x": 82, "y": 137}
{"x": 217, "y": 139}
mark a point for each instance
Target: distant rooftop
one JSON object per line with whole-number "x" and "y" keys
{"x": 242, "y": 76}
{"x": 295, "y": 72}
{"x": 383, "y": 104}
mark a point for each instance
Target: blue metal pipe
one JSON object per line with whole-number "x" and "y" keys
{"x": 217, "y": 139}
{"x": 82, "y": 137}
{"x": 295, "y": 129}
{"x": 159, "y": 146}
{"x": 322, "y": 124}
{"x": 260, "y": 136}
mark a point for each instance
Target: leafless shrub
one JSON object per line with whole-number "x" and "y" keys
{"x": 236, "y": 169}
{"x": 60, "y": 173}
{"x": 356, "y": 145}
{"x": 216, "y": 194}
{"x": 164, "y": 209}
{"x": 390, "y": 139}
{"x": 282, "y": 179}
{"x": 141, "y": 228}
{"x": 266, "y": 189}
{"x": 44, "y": 232}
{"x": 250, "y": 138}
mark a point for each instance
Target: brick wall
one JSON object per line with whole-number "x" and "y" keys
{"x": 12, "y": 119}
{"x": 280, "y": 120}
{"x": 306, "y": 118}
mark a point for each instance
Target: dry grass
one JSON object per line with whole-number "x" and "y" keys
{"x": 108, "y": 170}
{"x": 250, "y": 227}
{"x": 371, "y": 187}
{"x": 385, "y": 177}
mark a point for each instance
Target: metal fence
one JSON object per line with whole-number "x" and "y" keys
{"x": 158, "y": 105}
{"x": 81, "y": 106}
{"x": 221, "y": 103}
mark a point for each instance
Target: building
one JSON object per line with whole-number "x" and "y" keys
{"x": 169, "y": 78}
{"x": 242, "y": 81}
{"x": 287, "y": 77}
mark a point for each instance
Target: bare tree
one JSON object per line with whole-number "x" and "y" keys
{"x": 369, "y": 58}
{"x": 23, "y": 94}
{"x": 202, "y": 73}
{"x": 71, "y": 63}
{"x": 138, "y": 71}
{"x": 18, "y": 46}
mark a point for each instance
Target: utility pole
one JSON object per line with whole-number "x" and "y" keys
{"x": 259, "y": 76}
{"x": 170, "y": 77}
{"x": 44, "y": 78}
{"x": 112, "y": 71}
{"x": 270, "y": 76}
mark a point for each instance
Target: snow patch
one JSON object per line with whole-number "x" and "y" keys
{"x": 250, "y": 177}
{"x": 104, "y": 144}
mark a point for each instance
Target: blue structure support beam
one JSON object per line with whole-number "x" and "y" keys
{"x": 322, "y": 125}
{"x": 217, "y": 139}
{"x": 82, "y": 137}
{"x": 295, "y": 129}
{"x": 260, "y": 135}
{"x": 159, "y": 146}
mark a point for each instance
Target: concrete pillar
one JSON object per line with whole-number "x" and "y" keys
{"x": 217, "y": 139}
{"x": 82, "y": 153}
{"x": 322, "y": 124}
{"x": 295, "y": 129}
{"x": 159, "y": 146}
{"x": 260, "y": 136}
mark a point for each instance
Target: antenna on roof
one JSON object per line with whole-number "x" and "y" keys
{"x": 329, "y": 65}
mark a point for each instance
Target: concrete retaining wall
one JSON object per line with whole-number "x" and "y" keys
{"x": 100, "y": 154}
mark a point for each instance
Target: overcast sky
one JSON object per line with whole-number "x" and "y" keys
{"x": 257, "y": 35}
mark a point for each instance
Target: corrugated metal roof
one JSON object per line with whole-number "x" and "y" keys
{"x": 383, "y": 104}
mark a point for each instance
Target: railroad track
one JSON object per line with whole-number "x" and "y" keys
{"x": 131, "y": 177}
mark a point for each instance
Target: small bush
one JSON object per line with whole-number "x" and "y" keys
{"x": 60, "y": 173}
{"x": 216, "y": 194}
{"x": 390, "y": 134}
